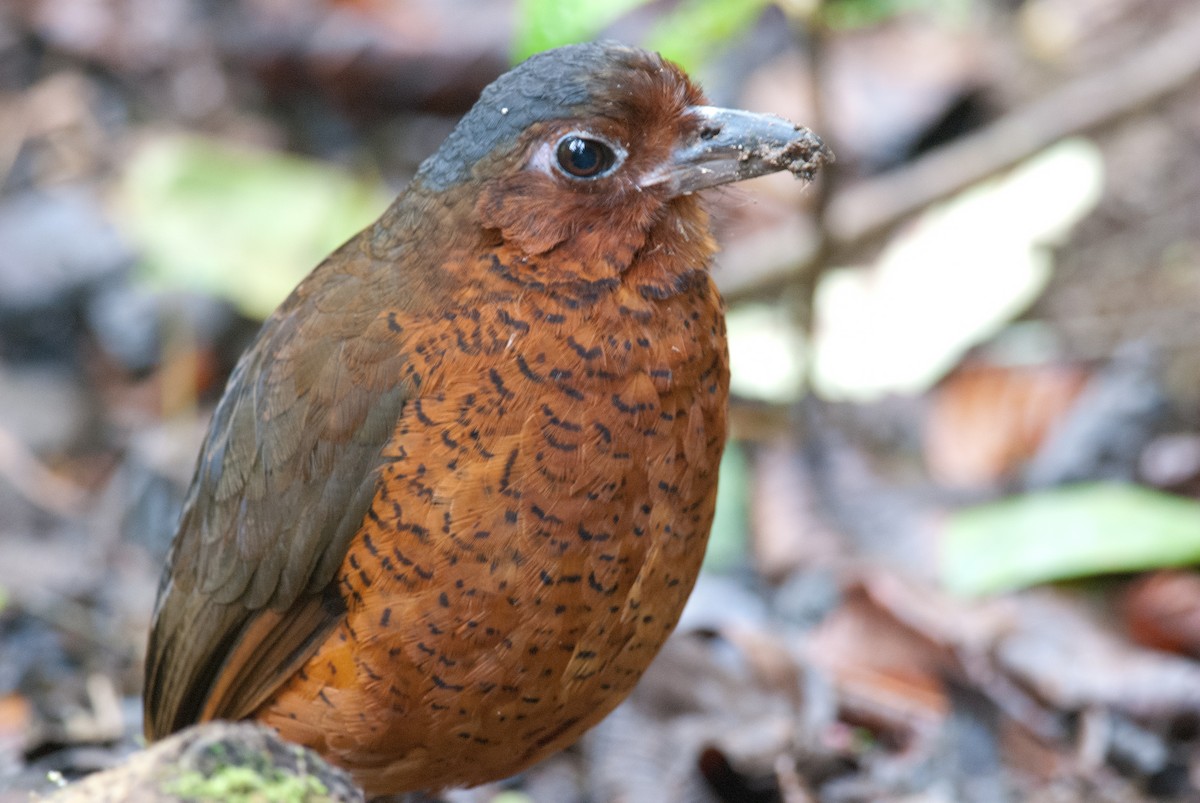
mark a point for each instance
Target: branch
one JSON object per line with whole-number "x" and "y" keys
{"x": 873, "y": 206}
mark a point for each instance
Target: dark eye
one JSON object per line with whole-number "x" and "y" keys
{"x": 584, "y": 158}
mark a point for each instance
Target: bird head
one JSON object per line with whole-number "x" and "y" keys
{"x": 588, "y": 147}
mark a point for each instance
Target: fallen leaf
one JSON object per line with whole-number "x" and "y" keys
{"x": 1067, "y": 532}
{"x": 986, "y": 420}
{"x": 887, "y": 675}
{"x": 1162, "y": 610}
{"x": 1070, "y": 660}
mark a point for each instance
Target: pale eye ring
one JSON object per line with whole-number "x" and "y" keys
{"x": 585, "y": 157}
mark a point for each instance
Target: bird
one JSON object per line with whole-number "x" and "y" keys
{"x": 458, "y": 490}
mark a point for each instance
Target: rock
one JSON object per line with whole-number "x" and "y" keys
{"x": 217, "y": 761}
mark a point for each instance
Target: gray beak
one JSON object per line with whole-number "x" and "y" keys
{"x": 731, "y": 145}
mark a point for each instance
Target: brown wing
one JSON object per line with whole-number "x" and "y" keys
{"x": 284, "y": 479}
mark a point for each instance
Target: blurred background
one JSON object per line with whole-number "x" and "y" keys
{"x": 960, "y": 509}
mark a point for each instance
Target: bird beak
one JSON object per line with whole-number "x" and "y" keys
{"x": 729, "y": 145}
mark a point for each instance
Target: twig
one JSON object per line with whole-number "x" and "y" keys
{"x": 872, "y": 206}
{"x": 1088, "y": 102}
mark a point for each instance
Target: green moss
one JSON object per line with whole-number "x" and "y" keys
{"x": 246, "y": 785}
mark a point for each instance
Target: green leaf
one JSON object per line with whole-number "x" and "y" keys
{"x": 695, "y": 28}
{"x": 849, "y": 14}
{"x": 1065, "y": 533}
{"x": 543, "y": 24}
{"x": 243, "y": 224}
{"x": 687, "y": 35}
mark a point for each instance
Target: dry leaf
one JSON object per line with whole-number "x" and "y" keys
{"x": 986, "y": 420}
{"x": 1162, "y": 610}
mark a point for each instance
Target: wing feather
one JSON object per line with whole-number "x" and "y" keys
{"x": 283, "y": 482}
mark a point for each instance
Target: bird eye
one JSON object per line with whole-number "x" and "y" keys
{"x": 584, "y": 158}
